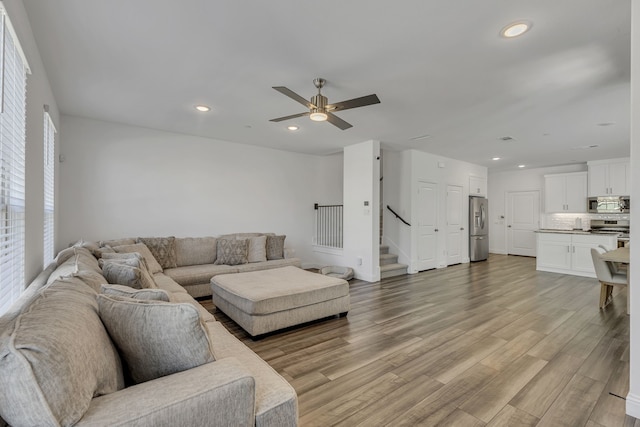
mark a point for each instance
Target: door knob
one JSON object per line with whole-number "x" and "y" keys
{"x": 436, "y": 230}
{"x": 508, "y": 226}
{"x": 461, "y": 228}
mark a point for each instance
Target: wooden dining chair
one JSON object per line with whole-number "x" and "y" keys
{"x": 607, "y": 277}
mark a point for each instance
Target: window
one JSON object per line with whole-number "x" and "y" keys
{"x": 13, "y": 78}
{"x": 49, "y": 186}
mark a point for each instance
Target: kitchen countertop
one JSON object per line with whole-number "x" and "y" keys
{"x": 558, "y": 231}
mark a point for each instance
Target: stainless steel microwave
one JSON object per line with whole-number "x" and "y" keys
{"x": 617, "y": 204}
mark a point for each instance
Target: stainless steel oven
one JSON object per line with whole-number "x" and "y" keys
{"x": 609, "y": 204}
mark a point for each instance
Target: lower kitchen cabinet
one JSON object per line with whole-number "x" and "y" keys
{"x": 570, "y": 253}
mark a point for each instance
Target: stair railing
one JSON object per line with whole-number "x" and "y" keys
{"x": 398, "y": 216}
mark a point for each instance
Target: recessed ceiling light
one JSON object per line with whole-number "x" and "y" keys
{"x": 203, "y": 108}
{"x": 515, "y": 29}
{"x": 495, "y": 158}
{"x": 293, "y": 127}
{"x": 520, "y": 166}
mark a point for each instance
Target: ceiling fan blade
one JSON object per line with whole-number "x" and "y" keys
{"x": 291, "y": 94}
{"x": 354, "y": 103}
{"x": 293, "y": 116}
{"x": 337, "y": 121}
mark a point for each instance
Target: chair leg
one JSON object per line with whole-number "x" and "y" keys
{"x": 603, "y": 294}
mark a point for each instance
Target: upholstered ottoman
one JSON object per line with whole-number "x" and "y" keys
{"x": 268, "y": 300}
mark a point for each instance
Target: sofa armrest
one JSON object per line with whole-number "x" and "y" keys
{"x": 217, "y": 393}
{"x": 289, "y": 253}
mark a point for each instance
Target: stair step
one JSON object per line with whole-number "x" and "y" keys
{"x": 384, "y": 249}
{"x": 391, "y": 270}
{"x": 386, "y": 259}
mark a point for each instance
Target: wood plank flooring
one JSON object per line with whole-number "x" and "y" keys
{"x": 492, "y": 343}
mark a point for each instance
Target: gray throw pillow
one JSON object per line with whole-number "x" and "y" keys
{"x": 232, "y": 252}
{"x": 127, "y": 275}
{"x": 163, "y": 250}
{"x": 124, "y": 255}
{"x": 155, "y": 338}
{"x": 126, "y": 291}
{"x": 275, "y": 247}
{"x": 142, "y": 249}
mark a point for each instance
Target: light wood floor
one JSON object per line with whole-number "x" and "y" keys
{"x": 491, "y": 343}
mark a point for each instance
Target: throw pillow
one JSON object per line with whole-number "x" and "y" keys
{"x": 275, "y": 247}
{"x": 155, "y": 338}
{"x": 163, "y": 250}
{"x": 127, "y": 275}
{"x": 125, "y": 255}
{"x": 257, "y": 249}
{"x": 142, "y": 249}
{"x": 64, "y": 255}
{"x": 232, "y": 252}
{"x": 126, "y": 291}
{"x": 91, "y": 278}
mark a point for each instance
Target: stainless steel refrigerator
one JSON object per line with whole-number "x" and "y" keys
{"x": 478, "y": 228}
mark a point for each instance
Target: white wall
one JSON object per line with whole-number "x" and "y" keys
{"x": 362, "y": 223}
{"x": 118, "y": 180}
{"x": 501, "y": 183}
{"x": 402, "y": 171}
{"x": 38, "y": 94}
{"x": 633, "y": 398}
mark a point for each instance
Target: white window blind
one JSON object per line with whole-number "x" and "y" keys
{"x": 49, "y": 187}
{"x": 13, "y": 69}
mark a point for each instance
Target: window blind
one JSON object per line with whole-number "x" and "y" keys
{"x": 13, "y": 69}
{"x": 49, "y": 188}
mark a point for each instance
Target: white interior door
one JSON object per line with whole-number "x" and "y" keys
{"x": 427, "y": 225}
{"x": 455, "y": 224}
{"x": 523, "y": 215}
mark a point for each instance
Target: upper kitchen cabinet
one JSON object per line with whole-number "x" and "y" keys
{"x": 565, "y": 192}
{"x": 477, "y": 186}
{"x": 609, "y": 177}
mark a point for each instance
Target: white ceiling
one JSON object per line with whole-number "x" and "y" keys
{"x": 438, "y": 67}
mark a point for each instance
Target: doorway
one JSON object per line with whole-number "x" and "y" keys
{"x": 523, "y": 219}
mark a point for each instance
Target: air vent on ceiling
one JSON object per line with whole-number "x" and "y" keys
{"x": 585, "y": 147}
{"x": 506, "y": 138}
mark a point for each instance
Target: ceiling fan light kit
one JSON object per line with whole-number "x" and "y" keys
{"x": 319, "y": 110}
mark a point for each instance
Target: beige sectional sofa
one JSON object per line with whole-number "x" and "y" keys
{"x": 59, "y": 365}
{"x": 196, "y": 257}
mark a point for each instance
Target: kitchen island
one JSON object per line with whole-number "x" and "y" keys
{"x": 569, "y": 251}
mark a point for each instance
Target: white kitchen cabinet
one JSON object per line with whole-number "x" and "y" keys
{"x": 570, "y": 253}
{"x": 565, "y": 192}
{"x": 477, "y": 186}
{"x": 609, "y": 177}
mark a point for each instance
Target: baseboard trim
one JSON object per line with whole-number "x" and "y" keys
{"x": 633, "y": 405}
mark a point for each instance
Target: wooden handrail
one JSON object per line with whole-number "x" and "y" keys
{"x": 398, "y": 216}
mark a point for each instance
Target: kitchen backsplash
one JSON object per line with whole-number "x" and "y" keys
{"x": 563, "y": 221}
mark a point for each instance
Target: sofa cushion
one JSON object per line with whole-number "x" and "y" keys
{"x": 163, "y": 249}
{"x": 197, "y": 274}
{"x": 124, "y": 255}
{"x": 257, "y": 249}
{"x": 188, "y": 299}
{"x": 91, "y": 278}
{"x": 82, "y": 260}
{"x": 232, "y": 252}
{"x": 126, "y": 291}
{"x": 55, "y": 357}
{"x": 142, "y": 249}
{"x": 195, "y": 250}
{"x": 155, "y": 338}
{"x": 237, "y": 236}
{"x": 275, "y": 247}
{"x": 276, "y": 401}
{"x": 120, "y": 273}
{"x": 267, "y": 265}
{"x": 168, "y": 284}
{"x": 117, "y": 242}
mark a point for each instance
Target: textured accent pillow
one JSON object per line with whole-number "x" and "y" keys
{"x": 257, "y": 249}
{"x": 64, "y": 255}
{"x": 155, "y": 338}
{"x": 126, "y": 291}
{"x": 163, "y": 249}
{"x": 127, "y": 275}
{"x": 125, "y": 255}
{"x": 232, "y": 252}
{"x": 91, "y": 278}
{"x": 275, "y": 247}
{"x": 142, "y": 249}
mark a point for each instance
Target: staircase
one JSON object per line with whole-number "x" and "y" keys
{"x": 389, "y": 266}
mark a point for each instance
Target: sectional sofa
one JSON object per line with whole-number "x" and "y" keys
{"x": 61, "y": 362}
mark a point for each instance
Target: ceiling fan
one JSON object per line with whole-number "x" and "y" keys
{"x": 319, "y": 110}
